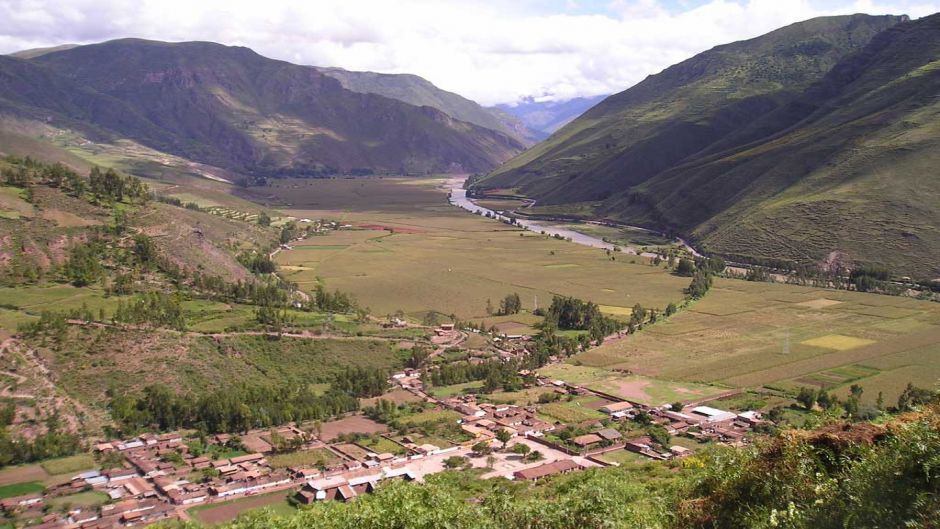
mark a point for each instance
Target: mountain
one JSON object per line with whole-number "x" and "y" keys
{"x": 418, "y": 91}
{"x": 32, "y": 53}
{"x": 232, "y": 108}
{"x": 806, "y": 143}
{"x": 549, "y": 116}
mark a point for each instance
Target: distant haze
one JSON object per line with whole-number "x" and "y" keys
{"x": 492, "y": 51}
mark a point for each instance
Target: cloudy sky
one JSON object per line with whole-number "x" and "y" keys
{"x": 493, "y": 51}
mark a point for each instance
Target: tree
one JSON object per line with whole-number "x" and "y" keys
{"x": 456, "y": 462}
{"x": 535, "y": 455}
{"x": 511, "y": 304}
{"x": 807, "y": 397}
{"x": 685, "y": 268}
{"x": 264, "y": 219}
{"x": 671, "y": 309}
{"x": 481, "y": 449}
{"x": 521, "y": 449}
{"x": 503, "y": 436}
{"x": 659, "y": 435}
{"x": 677, "y": 406}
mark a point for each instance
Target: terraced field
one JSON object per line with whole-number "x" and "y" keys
{"x": 759, "y": 334}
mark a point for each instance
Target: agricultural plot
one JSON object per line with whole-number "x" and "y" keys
{"x": 434, "y": 257}
{"x": 635, "y": 388}
{"x": 316, "y": 457}
{"x": 745, "y": 334}
{"x": 568, "y": 412}
{"x": 275, "y": 502}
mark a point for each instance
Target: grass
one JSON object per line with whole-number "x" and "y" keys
{"x": 631, "y": 387}
{"x": 87, "y": 499}
{"x": 624, "y": 457}
{"x": 745, "y": 334}
{"x": 21, "y": 489}
{"x": 570, "y": 412}
{"x": 69, "y": 465}
{"x": 457, "y": 389}
{"x": 317, "y": 457}
{"x": 381, "y": 445}
{"x": 837, "y": 342}
{"x": 427, "y": 417}
{"x": 436, "y": 257}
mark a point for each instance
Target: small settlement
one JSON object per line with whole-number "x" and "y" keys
{"x": 156, "y": 477}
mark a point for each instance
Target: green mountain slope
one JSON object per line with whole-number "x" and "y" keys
{"x": 418, "y": 91}
{"x": 235, "y": 109}
{"x": 809, "y": 142}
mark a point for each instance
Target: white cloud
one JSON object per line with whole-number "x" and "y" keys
{"x": 489, "y": 50}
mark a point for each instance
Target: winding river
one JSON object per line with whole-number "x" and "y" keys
{"x": 458, "y": 197}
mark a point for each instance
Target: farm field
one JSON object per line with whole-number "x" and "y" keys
{"x": 352, "y": 424}
{"x": 413, "y": 252}
{"x": 20, "y": 489}
{"x": 636, "y": 388}
{"x": 570, "y": 411}
{"x": 745, "y": 334}
{"x": 218, "y": 513}
{"x": 313, "y": 457}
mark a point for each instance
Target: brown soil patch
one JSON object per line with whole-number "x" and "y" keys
{"x": 67, "y": 219}
{"x": 225, "y": 513}
{"x": 820, "y": 303}
{"x": 633, "y": 389}
{"x": 354, "y": 424}
{"x": 9, "y": 476}
{"x": 398, "y": 396}
{"x": 596, "y": 404}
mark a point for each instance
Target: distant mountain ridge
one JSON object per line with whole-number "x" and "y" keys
{"x": 418, "y": 91}
{"x": 810, "y": 141}
{"x": 549, "y": 116}
{"x": 230, "y": 107}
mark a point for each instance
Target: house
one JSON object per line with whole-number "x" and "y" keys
{"x": 20, "y": 502}
{"x": 713, "y": 414}
{"x": 609, "y": 434}
{"x": 616, "y": 407}
{"x": 548, "y": 469}
{"x": 584, "y": 441}
{"x": 679, "y": 451}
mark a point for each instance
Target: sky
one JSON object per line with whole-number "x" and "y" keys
{"x": 492, "y": 51}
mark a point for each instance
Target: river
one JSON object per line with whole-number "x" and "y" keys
{"x": 458, "y": 197}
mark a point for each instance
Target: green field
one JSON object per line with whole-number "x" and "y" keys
{"x": 745, "y": 334}
{"x": 20, "y": 489}
{"x": 570, "y": 411}
{"x": 635, "y": 388}
{"x": 87, "y": 499}
{"x": 457, "y": 389}
{"x": 381, "y": 445}
{"x": 427, "y": 417}
{"x": 431, "y": 256}
{"x": 69, "y": 465}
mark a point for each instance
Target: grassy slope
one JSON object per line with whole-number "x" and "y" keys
{"x": 782, "y": 172}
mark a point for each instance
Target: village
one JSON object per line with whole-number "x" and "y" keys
{"x": 159, "y": 476}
